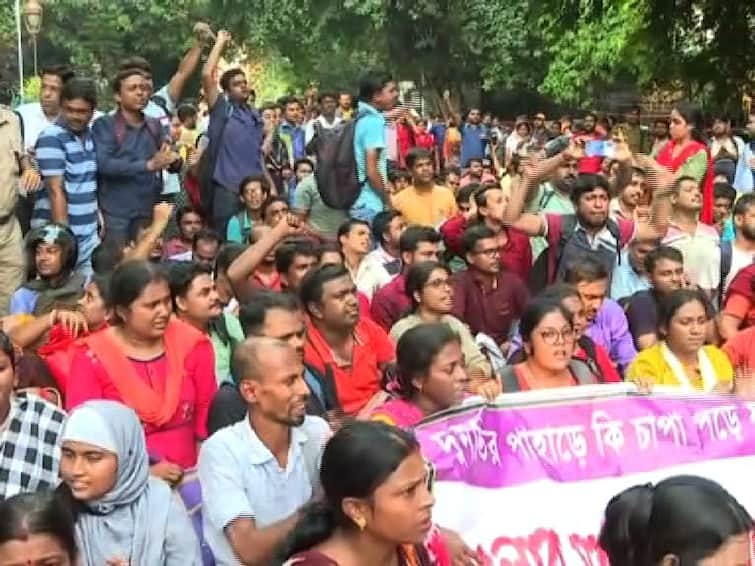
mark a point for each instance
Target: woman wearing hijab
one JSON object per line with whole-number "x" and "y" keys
{"x": 124, "y": 516}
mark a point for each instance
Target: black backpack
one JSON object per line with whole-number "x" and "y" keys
{"x": 546, "y": 267}
{"x": 337, "y": 180}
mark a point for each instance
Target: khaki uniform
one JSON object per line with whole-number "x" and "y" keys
{"x": 11, "y": 243}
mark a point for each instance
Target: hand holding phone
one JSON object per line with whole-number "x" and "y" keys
{"x": 600, "y": 148}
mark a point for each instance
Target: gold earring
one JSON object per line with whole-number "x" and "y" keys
{"x": 361, "y": 523}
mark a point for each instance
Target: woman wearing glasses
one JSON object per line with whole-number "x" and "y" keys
{"x": 430, "y": 289}
{"x": 548, "y": 341}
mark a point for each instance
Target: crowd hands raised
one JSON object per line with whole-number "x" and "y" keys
{"x": 206, "y": 361}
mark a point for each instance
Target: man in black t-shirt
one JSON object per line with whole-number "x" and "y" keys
{"x": 665, "y": 269}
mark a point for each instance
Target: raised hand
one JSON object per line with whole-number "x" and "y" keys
{"x": 576, "y": 149}
{"x": 622, "y": 152}
{"x": 203, "y": 31}
{"x": 162, "y": 213}
{"x": 224, "y": 37}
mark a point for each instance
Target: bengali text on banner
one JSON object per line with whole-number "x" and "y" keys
{"x": 526, "y": 483}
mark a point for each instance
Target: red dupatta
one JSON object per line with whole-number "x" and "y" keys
{"x": 153, "y": 407}
{"x": 667, "y": 159}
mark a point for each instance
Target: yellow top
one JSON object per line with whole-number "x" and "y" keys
{"x": 426, "y": 209}
{"x": 651, "y": 365}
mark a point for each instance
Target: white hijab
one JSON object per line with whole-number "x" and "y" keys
{"x": 130, "y": 521}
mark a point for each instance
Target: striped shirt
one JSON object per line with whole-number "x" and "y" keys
{"x": 62, "y": 153}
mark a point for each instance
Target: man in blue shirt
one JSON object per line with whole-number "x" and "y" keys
{"x": 377, "y": 94}
{"x": 474, "y": 134}
{"x": 290, "y": 131}
{"x": 438, "y": 130}
{"x": 474, "y": 137}
{"x": 629, "y": 274}
{"x": 68, "y": 163}
{"x": 163, "y": 102}
{"x": 132, "y": 152}
{"x": 235, "y": 137}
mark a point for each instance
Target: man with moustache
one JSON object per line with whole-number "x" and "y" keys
{"x": 279, "y": 316}
{"x": 236, "y": 135}
{"x": 590, "y": 230}
{"x": 196, "y": 301}
{"x": 356, "y": 349}
{"x": 132, "y": 152}
{"x": 68, "y": 164}
{"x": 486, "y": 296}
{"x": 698, "y": 242}
{"x": 665, "y": 269}
{"x": 257, "y": 474}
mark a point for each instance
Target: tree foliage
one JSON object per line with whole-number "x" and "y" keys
{"x": 567, "y": 49}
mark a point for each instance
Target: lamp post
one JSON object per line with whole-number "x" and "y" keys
{"x": 20, "y": 51}
{"x": 33, "y": 21}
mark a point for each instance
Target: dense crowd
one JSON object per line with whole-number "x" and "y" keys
{"x": 216, "y": 339}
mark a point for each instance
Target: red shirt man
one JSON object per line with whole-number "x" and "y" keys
{"x": 515, "y": 250}
{"x": 356, "y": 349}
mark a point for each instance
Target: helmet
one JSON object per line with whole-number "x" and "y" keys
{"x": 52, "y": 233}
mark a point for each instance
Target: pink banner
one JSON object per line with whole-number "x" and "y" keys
{"x": 490, "y": 446}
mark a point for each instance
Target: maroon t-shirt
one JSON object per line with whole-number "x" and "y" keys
{"x": 490, "y": 309}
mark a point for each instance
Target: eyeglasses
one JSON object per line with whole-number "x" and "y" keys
{"x": 551, "y": 335}
{"x": 439, "y": 283}
{"x": 490, "y": 252}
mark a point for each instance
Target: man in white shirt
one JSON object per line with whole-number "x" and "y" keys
{"x": 258, "y": 473}
{"x": 355, "y": 240}
{"x": 327, "y": 118}
{"x": 35, "y": 117}
{"x": 742, "y": 250}
{"x": 387, "y": 227}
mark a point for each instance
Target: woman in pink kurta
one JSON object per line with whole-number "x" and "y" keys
{"x": 161, "y": 367}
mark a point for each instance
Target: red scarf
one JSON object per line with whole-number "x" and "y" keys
{"x": 153, "y": 407}
{"x": 58, "y": 353}
{"x": 667, "y": 159}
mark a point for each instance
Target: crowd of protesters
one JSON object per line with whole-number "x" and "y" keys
{"x": 203, "y": 361}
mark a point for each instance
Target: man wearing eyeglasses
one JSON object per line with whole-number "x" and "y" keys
{"x": 488, "y": 297}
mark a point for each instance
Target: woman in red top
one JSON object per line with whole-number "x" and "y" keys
{"x": 687, "y": 154}
{"x": 162, "y": 368}
{"x": 549, "y": 343}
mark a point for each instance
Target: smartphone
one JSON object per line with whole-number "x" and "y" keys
{"x": 600, "y": 148}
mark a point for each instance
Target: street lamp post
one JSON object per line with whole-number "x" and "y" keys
{"x": 33, "y": 20}
{"x": 20, "y": 50}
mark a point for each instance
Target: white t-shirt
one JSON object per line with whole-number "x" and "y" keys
{"x": 34, "y": 122}
{"x": 739, "y": 260}
{"x": 171, "y": 181}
